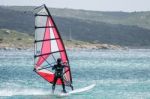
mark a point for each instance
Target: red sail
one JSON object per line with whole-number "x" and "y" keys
{"x": 49, "y": 47}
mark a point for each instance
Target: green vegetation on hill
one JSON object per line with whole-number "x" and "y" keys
{"x": 14, "y": 39}
{"x": 140, "y": 19}
{"x": 118, "y": 28}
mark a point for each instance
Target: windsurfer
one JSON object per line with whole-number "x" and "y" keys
{"x": 58, "y": 74}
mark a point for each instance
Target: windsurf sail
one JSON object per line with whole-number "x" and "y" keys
{"x": 49, "y": 47}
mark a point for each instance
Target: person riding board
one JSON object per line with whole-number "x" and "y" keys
{"x": 58, "y": 74}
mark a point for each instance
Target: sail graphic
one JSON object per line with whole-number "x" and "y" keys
{"x": 49, "y": 47}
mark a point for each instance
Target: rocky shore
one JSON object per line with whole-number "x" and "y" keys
{"x": 14, "y": 40}
{"x": 86, "y": 45}
{"x": 68, "y": 44}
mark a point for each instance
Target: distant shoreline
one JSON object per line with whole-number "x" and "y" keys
{"x": 72, "y": 45}
{"x": 69, "y": 45}
{"x": 13, "y": 40}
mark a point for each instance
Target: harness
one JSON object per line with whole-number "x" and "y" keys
{"x": 59, "y": 70}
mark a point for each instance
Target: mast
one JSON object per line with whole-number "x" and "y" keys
{"x": 60, "y": 38}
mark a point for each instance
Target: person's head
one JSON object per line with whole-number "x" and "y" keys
{"x": 59, "y": 60}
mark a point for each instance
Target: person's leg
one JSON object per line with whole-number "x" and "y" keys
{"x": 63, "y": 85}
{"x": 54, "y": 83}
{"x": 71, "y": 87}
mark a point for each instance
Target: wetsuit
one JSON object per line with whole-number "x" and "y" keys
{"x": 58, "y": 74}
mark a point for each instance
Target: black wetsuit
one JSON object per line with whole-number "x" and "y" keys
{"x": 58, "y": 74}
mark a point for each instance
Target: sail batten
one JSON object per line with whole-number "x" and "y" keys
{"x": 48, "y": 47}
{"x": 46, "y": 40}
{"x": 49, "y": 53}
{"x": 45, "y": 27}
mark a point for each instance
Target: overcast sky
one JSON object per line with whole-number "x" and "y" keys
{"x": 99, "y": 5}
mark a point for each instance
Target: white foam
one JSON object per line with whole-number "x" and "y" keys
{"x": 83, "y": 89}
{"x": 79, "y": 90}
{"x": 11, "y": 92}
{"x": 121, "y": 81}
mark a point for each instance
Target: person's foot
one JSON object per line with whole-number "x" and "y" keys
{"x": 64, "y": 91}
{"x": 52, "y": 91}
{"x": 53, "y": 88}
{"x": 72, "y": 87}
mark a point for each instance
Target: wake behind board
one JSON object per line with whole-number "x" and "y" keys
{"x": 76, "y": 91}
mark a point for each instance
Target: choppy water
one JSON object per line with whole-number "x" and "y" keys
{"x": 117, "y": 74}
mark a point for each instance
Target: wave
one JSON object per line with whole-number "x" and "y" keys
{"x": 14, "y": 92}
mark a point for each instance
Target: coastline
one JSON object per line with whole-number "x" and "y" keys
{"x": 14, "y": 40}
{"x": 69, "y": 45}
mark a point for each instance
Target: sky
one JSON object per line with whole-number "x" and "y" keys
{"x": 97, "y": 5}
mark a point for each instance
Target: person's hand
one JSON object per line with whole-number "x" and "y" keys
{"x": 34, "y": 69}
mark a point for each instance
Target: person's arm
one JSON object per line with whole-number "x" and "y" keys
{"x": 68, "y": 68}
{"x": 65, "y": 66}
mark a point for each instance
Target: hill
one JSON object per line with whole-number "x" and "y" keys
{"x": 140, "y": 19}
{"x": 82, "y": 25}
{"x": 14, "y": 39}
{"x": 11, "y": 39}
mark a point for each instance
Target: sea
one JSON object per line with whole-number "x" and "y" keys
{"x": 118, "y": 74}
